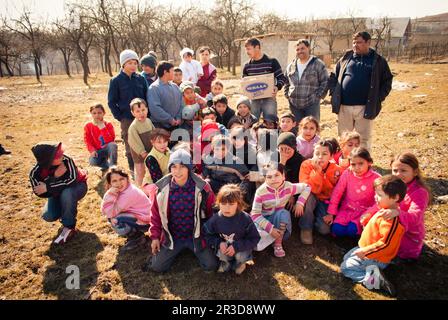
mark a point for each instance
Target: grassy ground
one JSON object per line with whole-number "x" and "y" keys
{"x": 32, "y": 268}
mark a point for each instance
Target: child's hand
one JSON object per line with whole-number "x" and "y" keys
{"x": 93, "y": 154}
{"x": 389, "y": 214}
{"x": 114, "y": 190}
{"x": 144, "y": 155}
{"x": 41, "y": 188}
{"x": 223, "y": 247}
{"x": 316, "y": 165}
{"x": 328, "y": 219}
{"x": 360, "y": 254}
{"x": 276, "y": 233}
{"x": 345, "y": 163}
{"x": 155, "y": 246}
{"x": 230, "y": 251}
{"x": 299, "y": 210}
{"x": 60, "y": 171}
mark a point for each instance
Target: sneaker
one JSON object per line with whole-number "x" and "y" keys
{"x": 65, "y": 235}
{"x": 372, "y": 279}
{"x": 4, "y": 151}
{"x": 224, "y": 266}
{"x": 278, "y": 251}
{"x": 386, "y": 285}
{"x": 240, "y": 268}
{"x": 306, "y": 236}
{"x": 133, "y": 243}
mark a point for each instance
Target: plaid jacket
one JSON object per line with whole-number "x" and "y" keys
{"x": 311, "y": 87}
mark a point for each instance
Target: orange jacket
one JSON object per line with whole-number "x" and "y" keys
{"x": 322, "y": 184}
{"x": 380, "y": 239}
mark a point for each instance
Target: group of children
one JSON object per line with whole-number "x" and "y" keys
{"x": 262, "y": 171}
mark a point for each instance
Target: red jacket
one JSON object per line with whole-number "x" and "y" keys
{"x": 205, "y": 82}
{"x": 96, "y": 138}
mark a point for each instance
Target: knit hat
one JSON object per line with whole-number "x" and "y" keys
{"x": 245, "y": 100}
{"x": 148, "y": 60}
{"x": 186, "y": 50}
{"x": 180, "y": 156}
{"x": 287, "y": 138}
{"x": 152, "y": 53}
{"x": 186, "y": 85}
{"x": 127, "y": 55}
{"x": 209, "y": 130}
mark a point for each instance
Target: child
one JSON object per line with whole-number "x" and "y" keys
{"x": 223, "y": 111}
{"x": 288, "y": 156}
{"x": 126, "y": 207}
{"x": 191, "y": 69}
{"x": 149, "y": 63}
{"x": 192, "y": 104}
{"x": 221, "y": 167}
{"x": 266, "y": 150}
{"x": 242, "y": 149}
{"x": 99, "y": 137}
{"x": 208, "y": 70}
{"x": 157, "y": 159}
{"x": 268, "y": 210}
{"x": 347, "y": 142}
{"x": 231, "y": 232}
{"x": 243, "y": 112}
{"x": 56, "y": 177}
{"x": 190, "y": 96}
{"x": 353, "y": 195}
{"x": 322, "y": 175}
{"x": 413, "y": 207}
{"x": 380, "y": 239}
{"x": 288, "y": 123}
{"x": 139, "y": 137}
{"x": 124, "y": 87}
{"x": 308, "y": 136}
{"x": 177, "y": 79}
{"x": 217, "y": 88}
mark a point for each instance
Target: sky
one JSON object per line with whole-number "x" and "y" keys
{"x": 294, "y": 9}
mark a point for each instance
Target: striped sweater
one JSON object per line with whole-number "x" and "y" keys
{"x": 381, "y": 238}
{"x": 263, "y": 66}
{"x": 268, "y": 200}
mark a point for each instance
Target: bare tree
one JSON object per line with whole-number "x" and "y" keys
{"x": 380, "y": 29}
{"x": 330, "y": 30}
{"x": 60, "y": 40}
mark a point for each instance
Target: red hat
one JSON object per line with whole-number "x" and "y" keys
{"x": 209, "y": 130}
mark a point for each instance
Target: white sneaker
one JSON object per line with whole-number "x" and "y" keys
{"x": 372, "y": 279}
{"x": 65, "y": 236}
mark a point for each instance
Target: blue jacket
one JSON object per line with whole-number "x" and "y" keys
{"x": 122, "y": 89}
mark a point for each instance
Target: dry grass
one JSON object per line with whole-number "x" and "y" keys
{"x": 31, "y": 268}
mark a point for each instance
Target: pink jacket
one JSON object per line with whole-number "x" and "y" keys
{"x": 412, "y": 217}
{"x": 305, "y": 148}
{"x": 352, "y": 196}
{"x": 132, "y": 201}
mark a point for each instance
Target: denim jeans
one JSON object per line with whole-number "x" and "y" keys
{"x": 65, "y": 206}
{"x": 313, "y": 214}
{"x": 106, "y": 157}
{"x": 127, "y": 226}
{"x": 313, "y": 110}
{"x": 265, "y": 105}
{"x": 238, "y": 259}
{"x": 163, "y": 260}
{"x": 355, "y": 268}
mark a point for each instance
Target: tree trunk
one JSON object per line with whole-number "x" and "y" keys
{"x": 101, "y": 60}
{"x": 36, "y": 70}
{"x": 235, "y": 58}
{"x": 66, "y": 63}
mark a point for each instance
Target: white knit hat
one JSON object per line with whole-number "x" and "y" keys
{"x": 186, "y": 50}
{"x": 127, "y": 55}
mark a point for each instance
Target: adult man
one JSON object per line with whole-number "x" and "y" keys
{"x": 363, "y": 81}
{"x": 260, "y": 63}
{"x": 165, "y": 99}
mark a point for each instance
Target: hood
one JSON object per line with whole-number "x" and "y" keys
{"x": 44, "y": 153}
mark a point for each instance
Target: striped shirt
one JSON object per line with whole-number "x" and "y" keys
{"x": 268, "y": 200}
{"x": 263, "y": 66}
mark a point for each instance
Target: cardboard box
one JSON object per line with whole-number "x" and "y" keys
{"x": 258, "y": 87}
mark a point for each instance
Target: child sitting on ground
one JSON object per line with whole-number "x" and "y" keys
{"x": 288, "y": 123}
{"x": 99, "y": 138}
{"x": 268, "y": 210}
{"x": 308, "y": 136}
{"x": 223, "y": 111}
{"x": 158, "y": 157}
{"x": 139, "y": 137}
{"x": 217, "y": 88}
{"x": 126, "y": 207}
{"x": 56, "y": 177}
{"x": 231, "y": 232}
{"x": 380, "y": 239}
{"x": 353, "y": 195}
{"x": 347, "y": 142}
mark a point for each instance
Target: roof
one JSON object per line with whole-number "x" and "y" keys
{"x": 398, "y": 26}
{"x": 288, "y": 35}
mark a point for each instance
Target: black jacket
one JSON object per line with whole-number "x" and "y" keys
{"x": 380, "y": 85}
